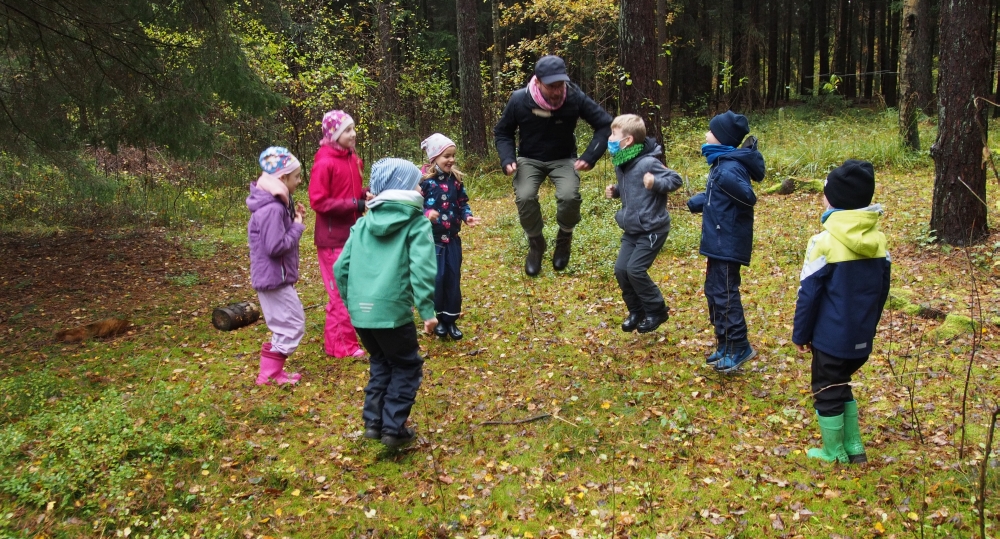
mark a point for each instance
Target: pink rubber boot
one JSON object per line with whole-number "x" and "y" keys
{"x": 272, "y": 367}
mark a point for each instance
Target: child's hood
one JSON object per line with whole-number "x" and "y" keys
{"x": 857, "y": 229}
{"x": 259, "y": 198}
{"x": 391, "y": 210}
{"x": 751, "y": 159}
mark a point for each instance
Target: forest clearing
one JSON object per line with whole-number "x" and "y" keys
{"x": 545, "y": 421}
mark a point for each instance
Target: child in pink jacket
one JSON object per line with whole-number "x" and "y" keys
{"x": 336, "y": 195}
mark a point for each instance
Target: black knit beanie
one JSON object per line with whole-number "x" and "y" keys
{"x": 729, "y": 128}
{"x": 850, "y": 186}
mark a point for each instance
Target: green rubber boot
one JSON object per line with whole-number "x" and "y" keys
{"x": 832, "y": 429}
{"x": 852, "y": 434}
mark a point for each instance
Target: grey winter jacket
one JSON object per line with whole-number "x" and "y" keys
{"x": 644, "y": 211}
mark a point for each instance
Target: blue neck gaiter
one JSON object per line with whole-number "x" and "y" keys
{"x": 714, "y": 151}
{"x": 827, "y": 214}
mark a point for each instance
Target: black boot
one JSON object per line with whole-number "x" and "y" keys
{"x": 454, "y": 332}
{"x": 533, "y": 262}
{"x": 652, "y": 321}
{"x": 560, "y": 255}
{"x": 441, "y": 330}
{"x": 632, "y": 321}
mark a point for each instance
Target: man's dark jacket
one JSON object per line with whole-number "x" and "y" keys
{"x": 549, "y": 135}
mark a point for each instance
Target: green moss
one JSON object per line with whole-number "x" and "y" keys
{"x": 811, "y": 186}
{"x": 955, "y": 325}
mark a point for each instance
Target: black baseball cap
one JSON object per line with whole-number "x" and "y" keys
{"x": 551, "y": 69}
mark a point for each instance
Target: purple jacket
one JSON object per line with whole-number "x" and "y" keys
{"x": 274, "y": 241}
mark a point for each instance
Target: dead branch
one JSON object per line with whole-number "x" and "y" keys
{"x": 517, "y": 421}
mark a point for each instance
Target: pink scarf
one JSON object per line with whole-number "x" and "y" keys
{"x": 536, "y": 94}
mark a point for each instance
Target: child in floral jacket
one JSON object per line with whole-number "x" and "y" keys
{"x": 446, "y": 204}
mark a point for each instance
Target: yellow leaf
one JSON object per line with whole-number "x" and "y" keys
{"x": 879, "y": 528}
{"x": 296, "y": 492}
{"x": 912, "y": 516}
{"x": 277, "y": 512}
{"x": 606, "y": 405}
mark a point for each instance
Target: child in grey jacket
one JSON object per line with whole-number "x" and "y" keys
{"x": 643, "y": 184}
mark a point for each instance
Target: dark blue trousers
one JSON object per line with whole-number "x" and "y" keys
{"x": 395, "y": 376}
{"x": 448, "y": 284}
{"x": 722, "y": 290}
{"x": 831, "y": 377}
{"x": 636, "y": 255}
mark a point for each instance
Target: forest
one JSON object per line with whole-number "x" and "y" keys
{"x": 130, "y": 131}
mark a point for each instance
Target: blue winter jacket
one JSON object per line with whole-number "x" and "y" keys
{"x": 843, "y": 285}
{"x": 726, "y": 205}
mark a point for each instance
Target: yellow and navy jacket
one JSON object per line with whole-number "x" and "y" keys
{"x": 843, "y": 285}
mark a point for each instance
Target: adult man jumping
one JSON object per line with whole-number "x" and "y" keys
{"x": 546, "y": 112}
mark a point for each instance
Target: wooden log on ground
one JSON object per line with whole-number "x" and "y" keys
{"x": 235, "y": 316}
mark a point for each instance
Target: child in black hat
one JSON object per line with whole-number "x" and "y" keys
{"x": 727, "y": 232}
{"x": 842, "y": 290}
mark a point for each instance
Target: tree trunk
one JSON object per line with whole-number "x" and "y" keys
{"x": 637, "y": 56}
{"x": 923, "y": 78}
{"x": 470, "y": 80}
{"x": 387, "y": 73}
{"x": 807, "y": 49}
{"x": 662, "y": 62}
{"x": 786, "y": 74}
{"x": 958, "y": 213}
{"x": 993, "y": 48}
{"x": 911, "y": 62}
{"x": 842, "y": 42}
{"x": 823, "y": 36}
{"x": 871, "y": 26}
{"x": 738, "y": 45}
{"x": 771, "y": 98}
{"x": 496, "y": 61}
{"x": 889, "y": 79}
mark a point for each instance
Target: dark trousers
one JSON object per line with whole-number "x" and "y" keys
{"x": 722, "y": 290}
{"x": 447, "y": 284}
{"x": 827, "y": 372}
{"x": 395, "y": 376}
{"x": 637, "y": 253}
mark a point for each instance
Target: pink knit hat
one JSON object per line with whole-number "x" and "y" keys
{"x": 435, "y": 145}
{"x": 335, "y": 123}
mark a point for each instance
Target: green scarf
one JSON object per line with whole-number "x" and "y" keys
{"x": 627, "y": 154}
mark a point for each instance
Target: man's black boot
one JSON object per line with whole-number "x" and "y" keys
{"x": 560, "y": 255}
{"x": 632, "y": 321}
{"x": 533, "y": 262}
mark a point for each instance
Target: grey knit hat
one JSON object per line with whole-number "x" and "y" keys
{"x": 393, "y": 173}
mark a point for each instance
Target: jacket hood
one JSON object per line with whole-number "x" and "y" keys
{"x": 750, "y": 158}
{"x": 392, "y": 209}
{"x": 857, "y": 229}
{"x": 259, "y": 198}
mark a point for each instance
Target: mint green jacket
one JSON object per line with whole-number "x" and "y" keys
{"x": 388, "y": 263}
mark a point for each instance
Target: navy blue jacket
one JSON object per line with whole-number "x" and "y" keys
{"x": 843, "y": 285}
{"x": 550, "y": 135}
{"x": 726, "y": 206}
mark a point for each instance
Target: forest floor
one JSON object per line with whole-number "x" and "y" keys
{"x": 545, "y": 421}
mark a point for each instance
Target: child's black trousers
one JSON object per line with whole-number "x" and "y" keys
{"x": 636, "y": 255}
{"x": 831, "y": 377}
{"x": 395, "y": 376}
